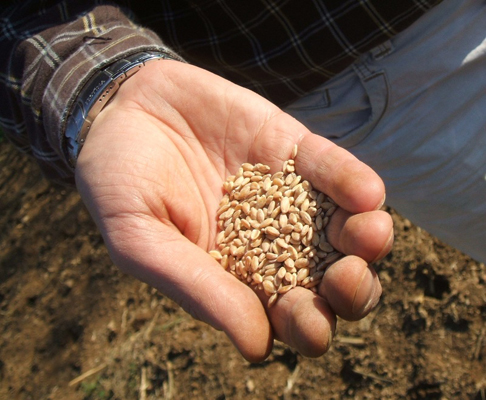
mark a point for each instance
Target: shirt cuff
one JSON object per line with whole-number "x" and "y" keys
{"x": 114, "y": 39}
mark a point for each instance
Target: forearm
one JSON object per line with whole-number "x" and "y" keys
{"x": 49, "y": 56}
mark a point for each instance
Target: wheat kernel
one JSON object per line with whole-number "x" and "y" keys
{"x": 268, "y": 286}
{"x": 302, "y": 274}
{"x": 285, "y": 205}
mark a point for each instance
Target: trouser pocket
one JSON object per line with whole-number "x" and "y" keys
{"x": 346, "y": 108}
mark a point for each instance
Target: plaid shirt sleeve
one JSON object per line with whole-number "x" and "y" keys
{"x": 49, "y": 50}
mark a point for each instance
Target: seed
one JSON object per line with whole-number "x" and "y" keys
{"x": 317, "y": 276}
{"x": 282, "y": 257}
{"x": 224, "y": 207}
{"x": 298, "y": 189}
{"x": 262, "y": 168}
{"x": 266, "y": 223}
{"x": 326, "y": 205}
{"x": 240, "y": 251}
{"x": 257, "y": 278}
{"x": 302, "y": 274}
{"x": 246, "y": 208}
{"x": 224, "y": 261}
{"x": 265, "y": 246}
{"x": 260, "y": 216}
{"x": 289, "y": 179}
{"x": 254, "y": 263}
{"x": 216, "y": 255}
{"x": 300, "y": 199}
{"x": 324, "y": 245}
{"x": 293, "y": 219}
{"x": 255, "y": 234}
{"x": 284, "y": 289}
{"x": 247, "y": 167}
{"x": 278, "y": 181}
{"x": 271, "y": 207}
{"x": 293, "y": 252}
{"x": 271, "y": 231}
{"x": 307, "y": 250}
{"x": 295, "y": 182}
{"x": 282, "y": 243}
{"x": 275, "y": 212}
{"x": 281, "y": 273}
{"x": 287, "y": 229}
{"x": 289, "y": 276}
{"x": 294, "y": 152}
{"x": 272, "y": 299}
{"x": 272, "y": 190}
{"x": 312, "y": 284}
{"x": 295, "y": 236}
{"x": 312, "y": 211}
{"x": 220, "y": 237}
{"x": 228, "y": 186}
{"x": 285, "y": 205}
{"x": 301, "y": 263}
{"x": 261, "y": 201}
{"x": 268, "y": 286}
{"x": 278, "y": 175}
{"x": 289, "y": 263}
{"x": 267, "y": 183}
{"x": 256, "y": 243}
{"x": 330, "y": 211}
{"x": 305, "y": 230}
{"x": 238, "y": 182}
{"x": 332, "y": 257}
{"x": 306, "y": 217}
{"x": 245, "y": 224}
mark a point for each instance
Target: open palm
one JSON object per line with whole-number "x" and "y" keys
{"x": 151, "y": 174}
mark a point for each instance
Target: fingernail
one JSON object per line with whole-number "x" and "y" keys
{"x": 330, "y": 338}
{"x": 365, "y": 298}
{"x": 382, "y": 202}
{"x": 386, "y": 247}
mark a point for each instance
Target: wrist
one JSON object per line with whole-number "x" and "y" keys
{"x": 96, "y": 94}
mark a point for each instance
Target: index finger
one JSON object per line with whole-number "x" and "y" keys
{"x": 352, "y": 184}
{"x": 333, "y": 170}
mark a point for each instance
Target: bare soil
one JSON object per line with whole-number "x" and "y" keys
{"x": 72, "y": 326}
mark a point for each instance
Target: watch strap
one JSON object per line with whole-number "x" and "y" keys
{"x": 96, "y": 94}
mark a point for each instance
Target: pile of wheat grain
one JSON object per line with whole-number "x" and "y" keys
{"x": 272, "y": 229}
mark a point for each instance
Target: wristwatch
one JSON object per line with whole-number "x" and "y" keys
{"x": 95, "y": 96}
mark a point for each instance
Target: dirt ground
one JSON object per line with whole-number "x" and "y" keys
{"x": 73, "y": 327}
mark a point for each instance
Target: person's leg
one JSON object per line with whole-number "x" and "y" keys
{"x": 415, "y": 110}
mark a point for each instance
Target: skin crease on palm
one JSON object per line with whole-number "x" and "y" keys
{"x": 151, "y": 174}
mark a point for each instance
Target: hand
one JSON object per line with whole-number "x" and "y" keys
{"x": 151, "y": 174}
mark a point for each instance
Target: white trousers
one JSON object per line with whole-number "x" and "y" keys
{"x": 414, "y": 109}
